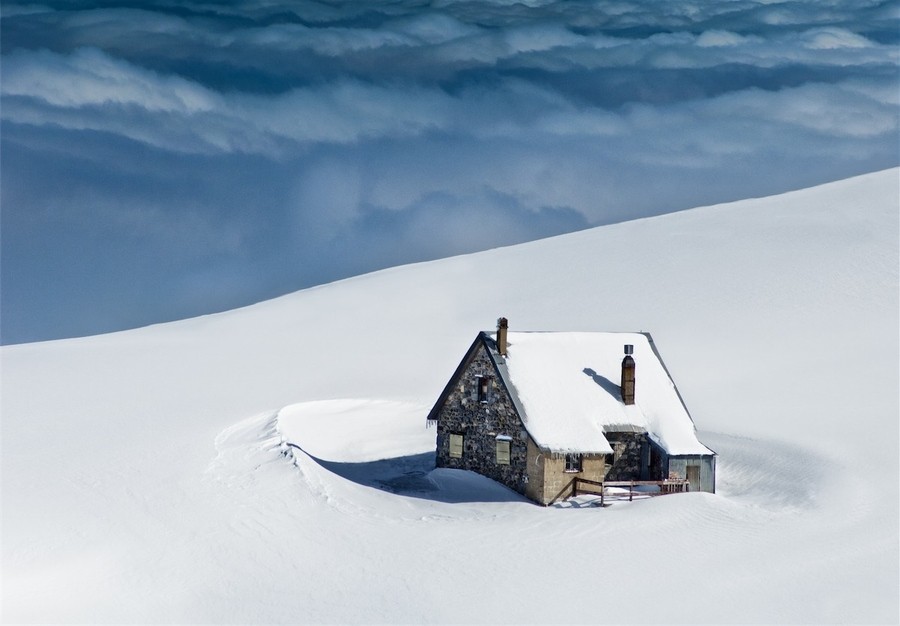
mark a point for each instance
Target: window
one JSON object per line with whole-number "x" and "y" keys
{"x": 573, "y": 462}
{"x": 456, "y": 446}
{"x": 502, "y": 451}
{"x": 483, "y": 386}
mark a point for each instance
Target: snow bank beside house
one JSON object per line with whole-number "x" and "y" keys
{"x": 356, "y": 430}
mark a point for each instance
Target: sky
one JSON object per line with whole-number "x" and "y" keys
{"x": 161, "y": 160}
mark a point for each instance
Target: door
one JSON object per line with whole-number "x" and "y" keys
{"x": 693, "y": 477}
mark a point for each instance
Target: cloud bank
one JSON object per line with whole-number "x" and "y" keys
{"x": 180, "y": 159}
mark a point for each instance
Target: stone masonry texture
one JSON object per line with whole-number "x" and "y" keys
{"x": 480, "y": 422}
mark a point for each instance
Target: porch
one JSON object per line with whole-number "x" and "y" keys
{"x": 623, "y": 489}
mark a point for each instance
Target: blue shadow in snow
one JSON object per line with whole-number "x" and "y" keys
{"x": 415, "y": 476}
{"x": 609, "y": 386}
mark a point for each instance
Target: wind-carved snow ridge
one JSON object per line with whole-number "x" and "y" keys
{"x": 353, "y": 453}
{"x": 362, "y": 454}
{"x": 349, "y": 451}
{"x": 248, "y": 446}
{"x": 255, "y": 450}
{"x": 254, "y": 445}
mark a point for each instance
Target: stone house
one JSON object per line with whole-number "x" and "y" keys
{"x": 534, "y": 410}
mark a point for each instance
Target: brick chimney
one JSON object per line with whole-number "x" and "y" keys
{"x": 628, "y": 375}
{"x": 502, "y": 325}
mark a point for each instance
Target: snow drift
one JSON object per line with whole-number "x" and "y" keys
{"x": 270, "y": 464}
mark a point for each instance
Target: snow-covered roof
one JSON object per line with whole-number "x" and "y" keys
{"x": 566, "y": 386}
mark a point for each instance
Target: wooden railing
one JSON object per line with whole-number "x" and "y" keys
{"x": 584, "y": 486}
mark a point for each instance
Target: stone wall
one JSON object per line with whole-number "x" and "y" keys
{"x": 535, "y": 473}
{"x": 480, "y": 423}
{"x": 658, "y": 463}
{"x": 538, "y": 475}
{"x": 631, "y": 450}
{"x": 558, "y": 483}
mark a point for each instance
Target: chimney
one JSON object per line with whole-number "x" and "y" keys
{"x": 502, "y": 325}
{"x": 628, "y": 375}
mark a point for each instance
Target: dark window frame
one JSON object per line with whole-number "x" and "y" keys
{"x": 574, "y": 463}
{"x": 482, "y": 388}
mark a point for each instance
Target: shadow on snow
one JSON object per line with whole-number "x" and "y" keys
{"x": 415, "y": 476}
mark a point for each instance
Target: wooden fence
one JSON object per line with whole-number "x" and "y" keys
{"x": 582, "y": 486}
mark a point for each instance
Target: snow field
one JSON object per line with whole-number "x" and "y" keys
{"x": 153, "y": 476}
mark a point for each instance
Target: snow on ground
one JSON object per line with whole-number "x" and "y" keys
{"x": 271, "y": 464}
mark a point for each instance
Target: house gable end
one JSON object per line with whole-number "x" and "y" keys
{"x": 478, "y": 426}
{"x": 455, "y": 378}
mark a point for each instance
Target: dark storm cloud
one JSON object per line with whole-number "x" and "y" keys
{"x": 182, "y": 158}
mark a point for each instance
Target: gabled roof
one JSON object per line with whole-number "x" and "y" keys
{"x": 568, "y": 386}
{"x": 565, "y": 386}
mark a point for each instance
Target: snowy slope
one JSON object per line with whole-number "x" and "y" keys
{"x": 270, "y": 464}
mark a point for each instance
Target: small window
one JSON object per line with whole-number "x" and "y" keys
{"x": 502, "y": 452}
{"x": 456, "y": 446}
{"x": 573, "y": 462}
{"x": 483, "y": 384}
